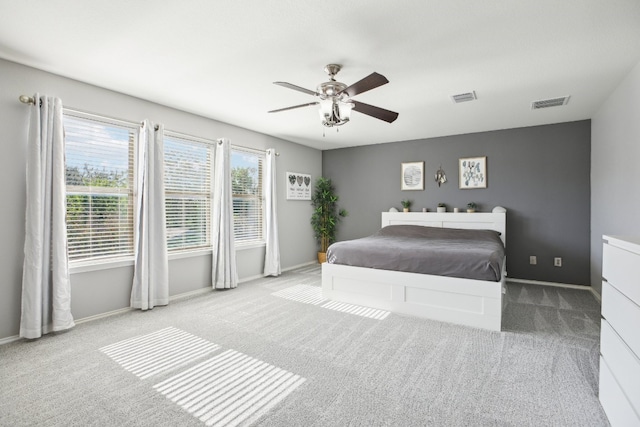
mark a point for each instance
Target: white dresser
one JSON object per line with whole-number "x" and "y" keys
{"x": 620, "y": 334}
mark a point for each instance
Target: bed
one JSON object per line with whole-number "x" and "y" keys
{"x": 460, "y": 300}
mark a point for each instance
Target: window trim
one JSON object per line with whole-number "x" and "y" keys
{"x": 248, "y": 244}
{"x": 101, "y": 262}
{"x": 211, "y": 147}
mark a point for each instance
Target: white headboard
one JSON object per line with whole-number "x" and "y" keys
{"x": 477, "y": 221}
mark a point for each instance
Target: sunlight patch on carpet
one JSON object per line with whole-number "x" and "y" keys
{"x": 357, "y": 310}
{"x": 158, "y": 352}
{"x": 302, "y": 293}
{"x": 230, "y": 389}
{"x": 313, "y": 295}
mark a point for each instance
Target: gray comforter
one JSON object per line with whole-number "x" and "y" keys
{"x": 470, "y": 254}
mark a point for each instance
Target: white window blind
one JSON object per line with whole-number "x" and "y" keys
{"x": 99, "y": 176}
{"x": 187, "y": 169}
{"x": 246, "y": 175}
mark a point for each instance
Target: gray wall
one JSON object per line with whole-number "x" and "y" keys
{"x": 97, "y": 292}
{"x": 615, "y": 198}
{"x": 540, "y": 174}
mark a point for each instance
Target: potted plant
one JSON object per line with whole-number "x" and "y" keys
{"x": 442, "y": 207}
{"x": 326, "y": 215}
{"x": 471, "y": 207}
{"x": 406, "y": 204}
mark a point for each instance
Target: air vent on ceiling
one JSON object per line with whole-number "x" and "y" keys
{"x": 464, "y": 97}
{"x": 552, "y": 102}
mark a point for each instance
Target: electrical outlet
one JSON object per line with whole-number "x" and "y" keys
{"x": 557, "y": 261}
{"x": 533, "y": 260}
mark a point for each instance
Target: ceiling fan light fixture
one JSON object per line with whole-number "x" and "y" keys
{"x": 334, "y": 112}
{"x": 335, "y": 100}
{"x": 345, "y": 110}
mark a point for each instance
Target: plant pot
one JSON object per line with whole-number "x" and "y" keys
{"x": 405, "y": 209}
{"x": 471, "y": 210}
{"x": 441, "y": 209}
{"x": 322, "y": 257}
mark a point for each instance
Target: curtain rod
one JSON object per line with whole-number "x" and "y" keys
{"x": 27, "y": 99}
{"x": 30, "y": 100}
{"x": 155, "y": 127}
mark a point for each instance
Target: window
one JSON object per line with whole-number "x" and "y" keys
{"x": 187, "y": 180}
{"x": 246, "y": 179}
{"x": 99, "y": 176}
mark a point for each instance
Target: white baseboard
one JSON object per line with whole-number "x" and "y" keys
{"x": 102, "y": 315}
{"x": 556, "y": 284}
{"x": 306, "y": 264}
{"x": 260, "y": 276}
{"x": 183, "y": 295}
{"x": 7, "y": 340}
{"x": 595, "y": 294}
{"x": 250, "y": 278}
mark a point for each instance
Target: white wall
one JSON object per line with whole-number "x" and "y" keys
{"x": 102, "y": 291}
{"x": 615, "y": 169}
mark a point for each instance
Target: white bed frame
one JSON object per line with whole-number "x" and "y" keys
{"x": 469, "y": 302}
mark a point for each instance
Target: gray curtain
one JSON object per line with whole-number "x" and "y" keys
{"x": 151, "y": 274}
{"x": 224, "y": 272}
{"x": 272, "y": 250}
{"x": 46, "y": 289}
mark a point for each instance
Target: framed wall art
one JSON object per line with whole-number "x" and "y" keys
{"x": 298, "y": 186}
{"x": 473, "y": 172}
{"x": 413, "y": 176}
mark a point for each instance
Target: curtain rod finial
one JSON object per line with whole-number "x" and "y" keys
{"x": 26, "y": 99}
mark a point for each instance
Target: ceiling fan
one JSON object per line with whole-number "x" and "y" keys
{"x": 335, "y": 98}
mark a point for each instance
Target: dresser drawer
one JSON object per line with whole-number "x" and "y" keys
{"x": 621, "y": 268}
{"x": 623, "y": 316}
{"x": 622, "y": 363}
{"x": 615, "y": 404}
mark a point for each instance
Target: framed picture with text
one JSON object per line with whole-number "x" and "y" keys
{"x": 298, "y": 186}
{"x": 473, "y": 172}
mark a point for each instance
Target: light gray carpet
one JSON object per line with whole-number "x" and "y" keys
{"x": 269, "y": 355}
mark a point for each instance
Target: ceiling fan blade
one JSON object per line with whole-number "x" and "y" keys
{"x": 377, "y": 112}
{"x": 295, "y": 106}
{"x": 372, "y": 81}
{"x": 294, "y": 87}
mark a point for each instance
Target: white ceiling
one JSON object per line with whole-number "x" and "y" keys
{"x": 219, "y": 58}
